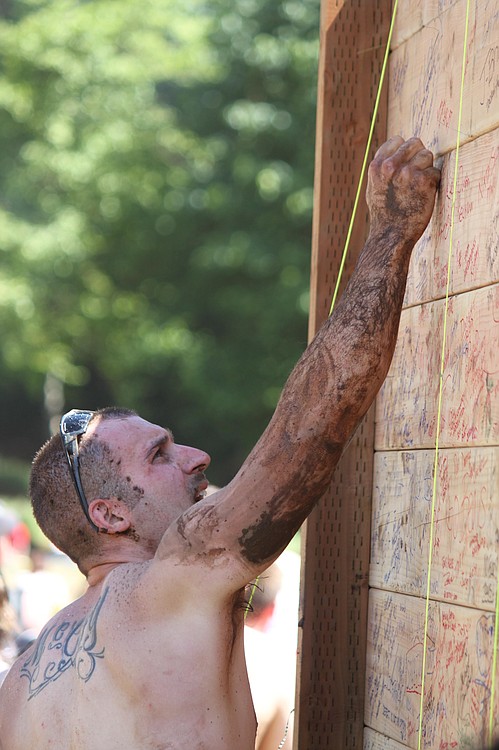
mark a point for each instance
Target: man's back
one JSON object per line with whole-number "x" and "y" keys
{"x": 106, "y": 673}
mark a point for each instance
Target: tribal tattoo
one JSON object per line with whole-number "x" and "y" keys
{"x": 62, "y": 646}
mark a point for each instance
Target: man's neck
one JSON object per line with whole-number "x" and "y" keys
{"x": 100, "y": 570}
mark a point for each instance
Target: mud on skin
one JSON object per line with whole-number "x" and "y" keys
{"x": 287, "y": 511}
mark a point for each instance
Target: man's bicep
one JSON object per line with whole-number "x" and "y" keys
{"x": 283, "y": 478}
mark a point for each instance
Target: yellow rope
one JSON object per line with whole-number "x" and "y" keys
{"x": 440, "y": 389}
{"x": 366, "y": 156}
{"x": 442, "y": 361}
{"x": 494, "y": 665}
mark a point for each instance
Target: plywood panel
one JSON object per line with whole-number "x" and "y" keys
{"x": 475, "y": 256}
{"x": 426, "y": 72}
{"x": 406, "y": 408}
{"x": 466, "y": 524}
{"x": 408, "y": 21}
{"x": 434, "y": 8}
{"x": 376, "y": 741}
{"x": 458, "y": 675}
{"x": 332, "y": 645}
{"x": 352, "y": 48}
{"x": 425, "y": 80}
{"x": 484, "y": 66}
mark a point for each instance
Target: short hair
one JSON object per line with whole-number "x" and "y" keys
{"x": 54, "y": 499}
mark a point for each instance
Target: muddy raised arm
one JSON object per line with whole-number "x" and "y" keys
{"x": 333, "y": 384}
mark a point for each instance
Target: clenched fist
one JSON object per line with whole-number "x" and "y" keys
{"x": 401, "y": 189}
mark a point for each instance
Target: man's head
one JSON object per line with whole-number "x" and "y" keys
{"x": 135, "y": 481}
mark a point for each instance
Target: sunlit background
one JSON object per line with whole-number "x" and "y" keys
{"x": 155, "y": 216}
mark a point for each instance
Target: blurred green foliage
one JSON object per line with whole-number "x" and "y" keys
{"x": 13, "y": 477}
{"x": 156, "y": 168}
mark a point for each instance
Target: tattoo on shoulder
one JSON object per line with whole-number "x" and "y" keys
{"x": 63, "y": 646}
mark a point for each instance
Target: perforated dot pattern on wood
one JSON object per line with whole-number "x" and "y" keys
{"x": 331, "y": 669}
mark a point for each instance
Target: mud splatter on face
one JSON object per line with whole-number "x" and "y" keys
{"x": 132, "y": 533}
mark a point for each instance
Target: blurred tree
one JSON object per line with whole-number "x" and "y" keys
{"x": 156, "y": 169}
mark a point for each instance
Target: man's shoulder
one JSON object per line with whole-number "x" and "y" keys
{"x": 125, "y": 576}
{"x": 11, "y": 699}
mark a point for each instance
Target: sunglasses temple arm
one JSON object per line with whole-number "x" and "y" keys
{"x": 79, "y": 489}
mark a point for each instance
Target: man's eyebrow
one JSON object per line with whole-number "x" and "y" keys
{"x": 166, "y": 437}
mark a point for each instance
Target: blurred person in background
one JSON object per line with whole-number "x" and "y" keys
{"x": 8, "y": 631}
{"x": 270, "y": 646}
{"x": 40, "y": 592}
{"x": 8, "y": 621}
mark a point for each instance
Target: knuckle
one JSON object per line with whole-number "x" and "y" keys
{"x": 426, "y": 156}
{"x": 396, "y": 139}
{"x": 414, "y": 140}
{"x": 388, "y": 168}
{"x": 375, "y": 168}
{"x": 404, "y": 179}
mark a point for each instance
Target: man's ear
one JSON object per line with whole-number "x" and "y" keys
{"x": 110, "y": 515}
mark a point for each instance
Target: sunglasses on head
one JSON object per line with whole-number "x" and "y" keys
{"x": 73, "y": 425}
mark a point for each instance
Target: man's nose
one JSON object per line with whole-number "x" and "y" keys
{"x": 193, "y": 460}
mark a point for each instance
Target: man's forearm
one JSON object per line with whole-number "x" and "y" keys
{"x": 348, "y": 360}
{"x": 251, "y": 520}
{"x": 326, "y": 396}
{"x": 351, "y": 354}
{"x": 340, "y": 373}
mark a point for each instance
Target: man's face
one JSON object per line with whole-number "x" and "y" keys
{"x": 168, "y": 477}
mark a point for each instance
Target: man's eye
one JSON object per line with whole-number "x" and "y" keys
{"x": 162, "y": 454}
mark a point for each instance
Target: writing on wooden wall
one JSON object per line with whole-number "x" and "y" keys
{"x": 462, "y": 239}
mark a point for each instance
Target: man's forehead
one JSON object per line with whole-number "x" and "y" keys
{"x": 128, "y": 429}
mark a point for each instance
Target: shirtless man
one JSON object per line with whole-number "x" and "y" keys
{"x": 151, "y": 657}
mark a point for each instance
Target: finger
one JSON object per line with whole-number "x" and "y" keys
{"x": 413, "y": 183}
{"x": 422, "y": 159}
{"x": 412, "y": 174}
{"x": 434, "y": 175}
{"x": 406, "y": 151}
{"x": 389, "y": 147}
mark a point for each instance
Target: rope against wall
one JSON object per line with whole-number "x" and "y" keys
{"x": 444, "y": 336}
{"x": 440, "y": 386}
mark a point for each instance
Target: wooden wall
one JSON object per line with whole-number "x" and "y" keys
{"x": 334, "y": 594}
{"x": 423, "y": 90}
{"x": 424, "y": 96}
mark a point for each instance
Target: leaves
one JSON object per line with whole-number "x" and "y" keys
{"x": 156, "y": 192}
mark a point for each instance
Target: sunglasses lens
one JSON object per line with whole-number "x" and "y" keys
{"x": 75, "y": 422}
